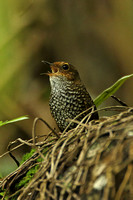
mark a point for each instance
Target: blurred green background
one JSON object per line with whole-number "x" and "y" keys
{"x": 95, "y": 36}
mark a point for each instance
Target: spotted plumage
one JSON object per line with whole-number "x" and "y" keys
{"x": 69, "y": 96}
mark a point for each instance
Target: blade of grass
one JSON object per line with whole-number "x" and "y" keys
{"x": 111, "y": 90}
{"x": 13, "y": 120}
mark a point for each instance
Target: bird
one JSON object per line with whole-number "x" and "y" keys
{"x": 69, "y": 96}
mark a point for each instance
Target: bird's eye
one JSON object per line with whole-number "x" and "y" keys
{"x": 65, "y": 66}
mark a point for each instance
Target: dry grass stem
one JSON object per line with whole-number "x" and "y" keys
{"x": 92, "y": 161}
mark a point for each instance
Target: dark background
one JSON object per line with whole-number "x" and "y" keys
{"x": 95, "y": 36}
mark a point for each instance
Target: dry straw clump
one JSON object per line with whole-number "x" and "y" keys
{"x": 94, "y": 161}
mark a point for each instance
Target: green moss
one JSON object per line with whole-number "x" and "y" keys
{"x": 2, "y": 194}
{"x": 29, "y": 175}
{"x": 27, "y": 156}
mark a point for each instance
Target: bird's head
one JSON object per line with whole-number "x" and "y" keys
{"x": 63, "y": 69}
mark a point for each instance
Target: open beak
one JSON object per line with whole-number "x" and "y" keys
{"x": 54, "y": 69}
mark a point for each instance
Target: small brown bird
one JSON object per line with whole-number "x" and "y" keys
{"x": 69, "y": 96}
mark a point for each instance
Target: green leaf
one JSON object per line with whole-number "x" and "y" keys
{"x": 111, "y": 90}
{"x": 13, "y": 120}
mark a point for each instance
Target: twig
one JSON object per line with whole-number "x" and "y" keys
{"x": 34, "y": 127}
